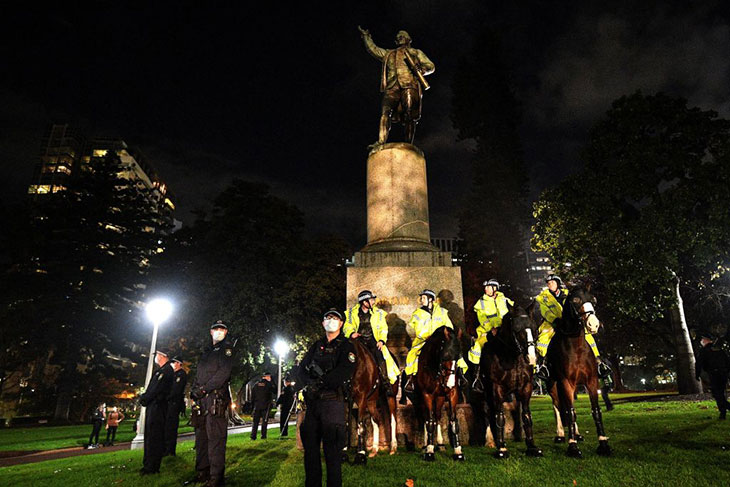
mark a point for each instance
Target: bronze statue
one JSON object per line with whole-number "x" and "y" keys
{"x": 402, "y": 83}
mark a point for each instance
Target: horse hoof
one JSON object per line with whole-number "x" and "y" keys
{"x": 429, "y": 457}
{"x": 392, "y": 452}
{"x": 534, "y": 452}
{"x": 441, "y": 447}
{"x": 604, "y": 449}
{"x": 574, "y": 451}
{"x": 501, "y": 454}
{"x": 579, "y": 437}
{"x": 372, "y": 454}
{"x": 459, "y": 457}
{"x": 360, "y": 459}
{"x": 559, "y": 439}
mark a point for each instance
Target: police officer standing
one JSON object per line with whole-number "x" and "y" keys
{"x": 714, "y": 361}
{"x": 211, "y": 393}
{"x": 175, "y": 405}
{"x": 324, "y": 372}
{"x": 262, "y": 396}
{"x": 285, "y": 400}
{"x": 154, "y": 399}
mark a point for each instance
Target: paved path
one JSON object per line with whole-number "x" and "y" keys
{"x": 42, "y": 456}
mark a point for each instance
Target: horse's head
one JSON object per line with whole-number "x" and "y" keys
{"x": 441, "y": 352}
{"x": 518, "y": 328}
{"x": 580, "y": 312}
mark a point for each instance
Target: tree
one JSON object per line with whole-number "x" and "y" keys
{"x": 494, "y": 216}
{"x": 249, "y": 264}
{"x": 82, "y": 273}
{"x": 647, "y": 216}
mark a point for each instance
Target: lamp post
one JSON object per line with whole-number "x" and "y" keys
{"x": 281, "y": 348}
{"x": 157, "y": 311}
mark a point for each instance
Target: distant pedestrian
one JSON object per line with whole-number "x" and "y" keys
{"x": 154, "y": 399}
{"x": 713, "y": 360}
{"x": 97, "y": 419}
{"x": 262, "y": 397}
{"x": 285, "y": 400}
{"x": 112, "y": 423}
{"x": 175, "y": 406}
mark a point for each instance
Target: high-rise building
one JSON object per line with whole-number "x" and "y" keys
{"x": 66, "y": 150}
{"x": 538, "y": 268}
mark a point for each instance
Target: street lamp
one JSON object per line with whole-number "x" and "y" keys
{"x": 281, "y": 348}
{"x": 158, "y": 311}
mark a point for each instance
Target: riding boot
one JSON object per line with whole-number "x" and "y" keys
{"x": 476, "y": 385}
{"x": 542, "y": 372}
{"x": 383, "y": 371}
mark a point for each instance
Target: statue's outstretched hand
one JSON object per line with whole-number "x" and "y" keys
{"x": 364, "y": 32}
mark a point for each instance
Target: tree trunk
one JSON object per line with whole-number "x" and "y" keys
{"x": 685, "y": 355}
{"x": 65, "y": 392}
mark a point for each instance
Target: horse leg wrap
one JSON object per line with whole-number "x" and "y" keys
{"x": 430, "y": 429}
{"x": 500, "y": 429}
{"x": 598, "y": 419}
{"x": 527, "y": 424}
{"x": 455, "y": 429}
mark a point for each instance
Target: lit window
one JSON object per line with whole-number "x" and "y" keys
{"x": 169, "y": 203}
{"x": 63, "y": 169}
{"x": 39, "y": 189}
{"x": 58, "y": 189}
{"x": 100, "y": 152}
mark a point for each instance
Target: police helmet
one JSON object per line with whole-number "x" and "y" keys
{"x": 333, "y": 312}
{"x": 429, "y": 293}
{"x": 365, "y": 295}
{"x": 553, "y": 277}
{"x": 176, "y": 358}
{"x": 491, "y": 282}
{"x": 218, "y": 324}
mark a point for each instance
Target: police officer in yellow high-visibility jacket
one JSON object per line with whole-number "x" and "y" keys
{"x": 425, "y": 320}
{"x": 367, "y": 322}
{"x": 551, "y": 301}
{"x": 490, "y": 309}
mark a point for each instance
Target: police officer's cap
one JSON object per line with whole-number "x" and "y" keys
{"x": 177, "y": 359}
{"x": 333, "y": 312}
{"x": 365, "y": 295}
{"x": 265, "y": 374}
{"x": 553, "y": 277}
{"x": 429, "y": 293}
{"x": 491, "y": 282}
{"x": 161, "y": 352}
{"x": 218, "y": 324}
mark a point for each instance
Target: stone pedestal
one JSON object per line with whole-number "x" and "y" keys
{"x": 399, "y": 261}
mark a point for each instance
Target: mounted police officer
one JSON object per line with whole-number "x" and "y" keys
{"x": 367, "y": 323}
{"x": 211, "y": 393}
{"x": 489, "y": 309}
{"x": 262, "y": 396}
{"x": 324, "y": 372}
{"x": 175, "y": 405}
{"x": 425, "y": 320}
{"x": 552, "y": 300}
{"x": 154, "y": 399}
{"x": 712, "y": 359}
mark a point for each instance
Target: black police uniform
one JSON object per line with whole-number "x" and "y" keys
{"x": 285, "y": 400}
{"x": 97, "y": 419}
{"x": 210, "y": 391}
{"x": 714, "y": 360}
{"x": 324, "y": 420}
{"x": 154, "y": 399}
{"x": 175, "y": 405}
{"x": 262, "y": 396}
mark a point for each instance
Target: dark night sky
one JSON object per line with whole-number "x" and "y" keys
{"x": 287, "y": 94}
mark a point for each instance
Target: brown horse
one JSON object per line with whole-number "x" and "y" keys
{"x": 506, "y": 368}
{"x": 370, "y": 395}
{"x": 436, "y": 382}
{"x": 572, "y": 363}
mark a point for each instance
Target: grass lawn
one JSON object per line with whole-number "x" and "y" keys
{"x": 52, "y": 437}
{"x": 655, "y": 443}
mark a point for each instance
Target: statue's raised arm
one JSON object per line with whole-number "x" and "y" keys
{"x": 402, "y": 83}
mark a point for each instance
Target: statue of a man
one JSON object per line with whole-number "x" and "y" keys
{"x": 402, "y": 83}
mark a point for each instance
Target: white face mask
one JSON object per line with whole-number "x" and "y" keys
{"x": 331, "y": 325}
{"x": 218, "y": 335}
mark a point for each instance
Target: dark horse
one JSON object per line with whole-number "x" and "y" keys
{"x": 436, "y": 382}
{"x": 370, "y": 396}
{"x": 572, "y": 363}
{"x": 506, "y": 368}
